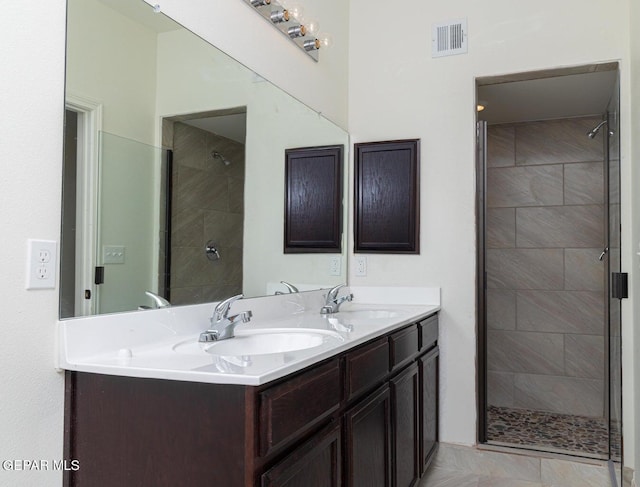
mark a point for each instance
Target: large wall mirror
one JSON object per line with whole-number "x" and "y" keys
{"x": 174, "y": 168}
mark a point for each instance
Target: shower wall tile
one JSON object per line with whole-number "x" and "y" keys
{"x": 584, "y": 356}
{"x": 567, "y": 395}
{"x": 500, "y": 387}
{"x": 236, "y": 195}
{"x": 208, "y": 205}
{"x": 501, "y": 146}
{"x": 501, "y": 228}
{"x": 557, "y": 141}
{"x": 525, "y": 186}
{"x": 580, "y": 312}
{"x": 584, "y": 183}
{"x": 187, "y": 295}
{"x": 189, "y": 146}
{"x": 582, "y": 270}
{"x": 525, "y": 268}
{"x": 560, "y": 226}
{"x": 188, "y": 267}
{"x": 534, "y": 353}
{"x": 167, "y": 133}
{"x": 196, "y": 188}
{"x": 501, "y": 309}
{"x": 186, "y": 228}
{"x": 225, "y": 229}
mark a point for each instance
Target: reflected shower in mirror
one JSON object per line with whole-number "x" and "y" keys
{"x": 173, "y": 148}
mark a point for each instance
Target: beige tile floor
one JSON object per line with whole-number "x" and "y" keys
{"x": 460, "y": 466}
{"x": 438, "y": 477}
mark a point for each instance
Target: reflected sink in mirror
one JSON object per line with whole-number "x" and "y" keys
{"x": 261, "y": 342}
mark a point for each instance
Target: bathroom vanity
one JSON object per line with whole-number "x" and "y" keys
{"x": 363, "y": 412}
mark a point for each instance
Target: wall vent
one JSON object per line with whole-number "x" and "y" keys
{"x": 449, "y": 38}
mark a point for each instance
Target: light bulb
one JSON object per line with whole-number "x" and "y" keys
{"x": 313, "y": 27}
{"x": 325, "y": 39}
{"x": 296, "y": 11}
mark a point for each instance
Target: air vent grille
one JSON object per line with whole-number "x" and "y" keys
{"x": 449, "y": 38}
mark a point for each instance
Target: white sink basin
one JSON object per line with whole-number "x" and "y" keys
{"x": 261, "y": 342}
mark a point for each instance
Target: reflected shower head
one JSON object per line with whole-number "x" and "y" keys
{"x": 217, "y": 155}
{"x": 594, "y": 131}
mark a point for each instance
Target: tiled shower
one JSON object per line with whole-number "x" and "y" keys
{"x": 545, "y": 298}
{"x": 207, "y": 204}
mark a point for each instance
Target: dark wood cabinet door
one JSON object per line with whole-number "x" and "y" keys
{"x": 294, "y": 406}
{"x": 387, "y": 206}
{"x": 428, "y": 365}
{"x": 368, "y": 441}
{"x": 405, "y": 399}
{"x": 316, "y": 463}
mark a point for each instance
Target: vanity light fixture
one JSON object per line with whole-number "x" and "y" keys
{"x": 304, "y": 36}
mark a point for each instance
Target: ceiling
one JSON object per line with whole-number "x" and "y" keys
{"x": 565, "y": 96}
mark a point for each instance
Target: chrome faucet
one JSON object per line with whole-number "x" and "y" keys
{"x": 333, "y": 302}
{"x": 223, "y": 325}
{"x": 290, "y": 287}
{"x": 158, "y": 301}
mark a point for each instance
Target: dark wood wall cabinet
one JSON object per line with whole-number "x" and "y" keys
{"x": 367, "y": 417}
{"x": 387, "y": 202}
{"x": 313, "y": 200}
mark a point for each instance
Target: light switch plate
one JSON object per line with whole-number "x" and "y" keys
{"x": 113, "y": 254}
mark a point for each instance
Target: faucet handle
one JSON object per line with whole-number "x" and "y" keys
{"x": 222, "y": 308}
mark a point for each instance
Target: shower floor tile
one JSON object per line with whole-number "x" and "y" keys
{"x": 544, "y": 430}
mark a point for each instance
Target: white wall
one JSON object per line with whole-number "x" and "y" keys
{"x": 233, "y": 27}
{"x": 396, "y": 90}
{"x": 31, "y": 96}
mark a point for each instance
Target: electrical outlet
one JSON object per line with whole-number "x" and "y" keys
{"x": 41, "y": 264}
{"x": 335, "y": 266}
{"x": 361, "y": 265}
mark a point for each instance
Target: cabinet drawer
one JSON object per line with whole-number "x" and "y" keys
{"x": 428, "y": 332}
{"x": 366, "y": 367}
{"x": 292, "y": 407}
{"x": 404, "y": 346}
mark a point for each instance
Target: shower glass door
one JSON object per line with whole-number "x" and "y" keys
{"x": 612, "y": 148}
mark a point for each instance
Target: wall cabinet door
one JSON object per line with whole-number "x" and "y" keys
{"x": 368, "y": 441}
{"x": 428, "y": 365}
{"x": 316, "y": 463}
{"x": 405, "y": 399}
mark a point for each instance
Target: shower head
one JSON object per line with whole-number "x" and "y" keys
{"x": 594, "y": 131}
{"x": 217, "y": 155}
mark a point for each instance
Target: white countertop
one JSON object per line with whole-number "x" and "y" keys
{"x": 162, "y": 343}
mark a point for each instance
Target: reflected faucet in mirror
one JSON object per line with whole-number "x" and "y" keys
{"x": 333, "y": 302}
{"x": 222, "y": 325}
{"x": 290, "y": 287}
{"x": 158, "y": 302}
